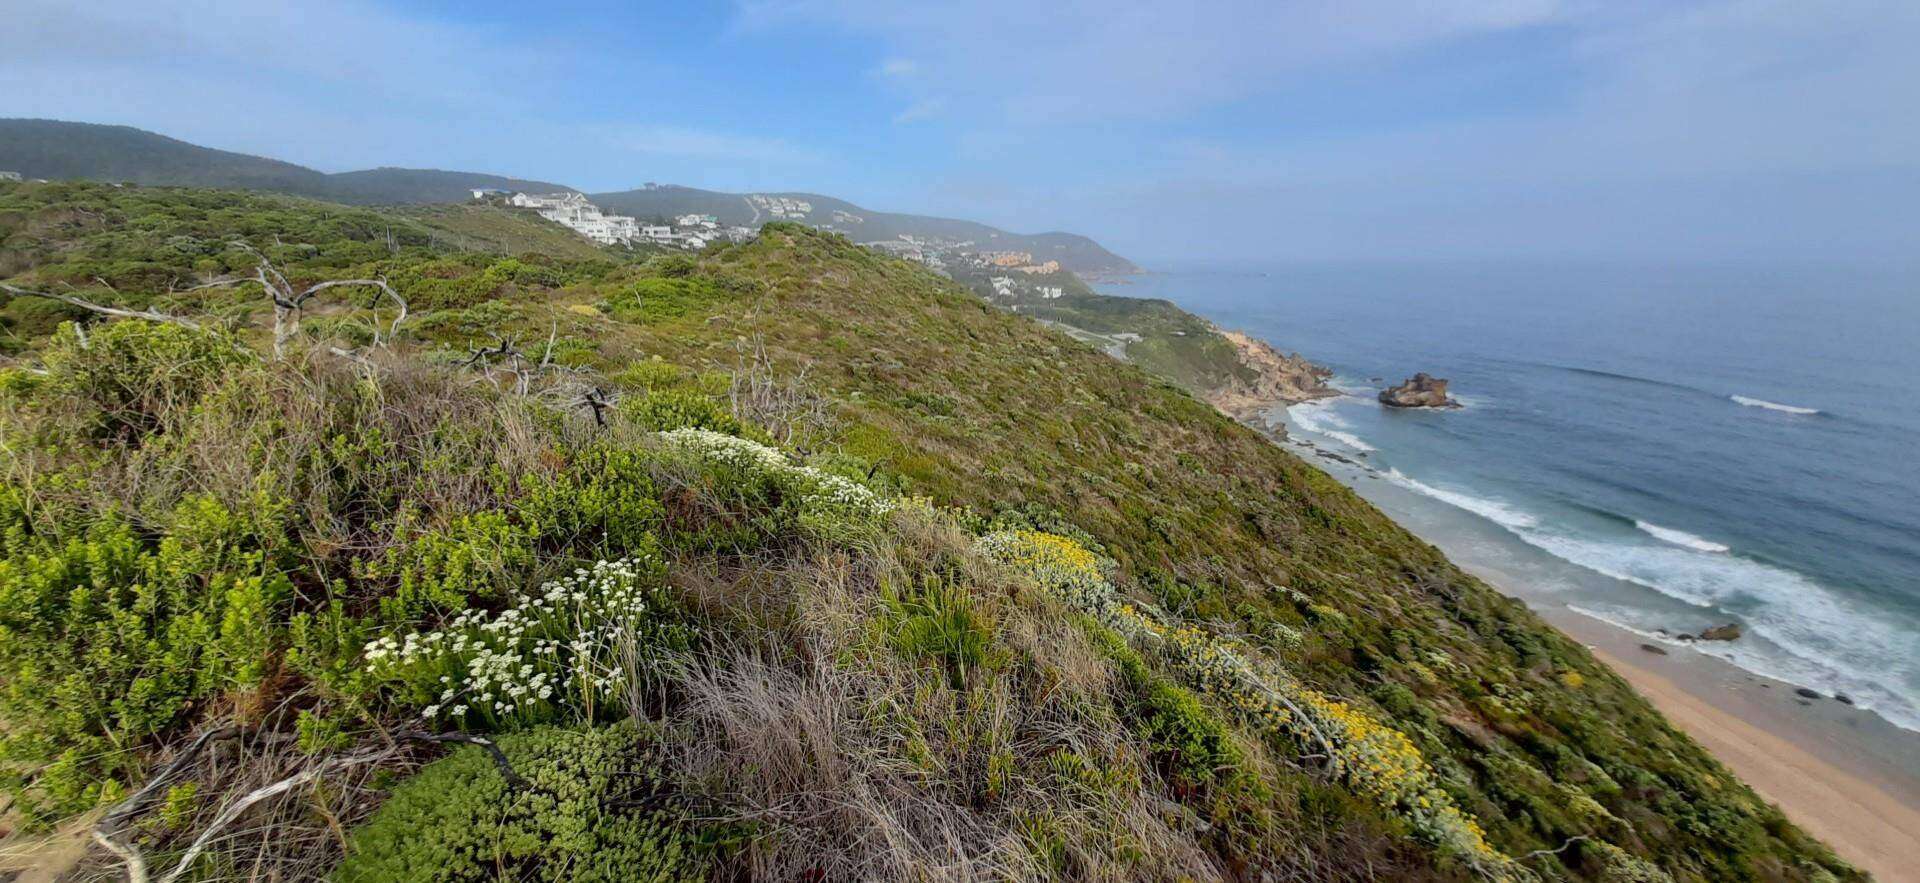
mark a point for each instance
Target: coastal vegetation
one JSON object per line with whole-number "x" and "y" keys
{"x": 783, "y": 560}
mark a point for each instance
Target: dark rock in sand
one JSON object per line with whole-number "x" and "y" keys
{"x": 1654, "y": 648}
{"x": 1422, "y": 391}
{"x": 1843, "y": 698}
{"x": 1810, "y": 694}
{"x": 1727, "y": 632}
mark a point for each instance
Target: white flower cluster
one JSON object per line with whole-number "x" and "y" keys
{"x": 564, "y": 645}
{"x": 818, "y": 489}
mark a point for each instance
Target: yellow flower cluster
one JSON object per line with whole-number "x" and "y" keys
{"x": 1376, "y": 760}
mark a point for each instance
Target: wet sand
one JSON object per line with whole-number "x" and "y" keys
{"x": 1842, "y": 774}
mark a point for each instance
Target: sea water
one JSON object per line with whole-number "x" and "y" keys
{"x": 1666, "y": 448}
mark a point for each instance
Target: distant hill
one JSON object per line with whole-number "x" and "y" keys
{"x": 57, "y": 150}
{"x": 53, "y": 149}
{"x": 1074, "y": 252}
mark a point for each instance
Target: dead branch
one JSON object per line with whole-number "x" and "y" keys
{"x": 114, "y": 823}
{"x": 107, "y": 832}
{"x": 102, "y": 309}
{"x": 289, "y": 304}
{"x": 507, "y": 772}
{"x": 597, "y": 400}
{"x": 1563, "y": 847}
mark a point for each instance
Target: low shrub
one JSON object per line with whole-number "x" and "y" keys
{"x": 110, "y": 638}
{"x": 459, "y": 820}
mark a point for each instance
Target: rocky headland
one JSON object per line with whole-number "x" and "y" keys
{"x": 1420, "y": 391}
{"x": 1272, "y": 379}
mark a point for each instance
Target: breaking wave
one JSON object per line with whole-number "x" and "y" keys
{"x": 1679, "y": 537}
{"x": 1817, "y": 638}
{"x": 1774, "y": 406}
{"x": 1319, "y": 419}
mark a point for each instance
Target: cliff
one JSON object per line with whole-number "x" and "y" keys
{"x": 1271, "y": 379}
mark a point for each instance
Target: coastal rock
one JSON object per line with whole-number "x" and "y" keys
{"x": 1730, "y": 631}
{"x": 1654, "y": 649}
{"x": 1809, "y": 693}
{"x": 1271, "y": 379}
{"x": 1421, "y": 391}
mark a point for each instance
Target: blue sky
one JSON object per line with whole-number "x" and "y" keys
{"x": 1670, "y": 130}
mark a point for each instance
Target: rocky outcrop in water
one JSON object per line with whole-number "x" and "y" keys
{"x": 1728, "y": 632}
{"x": 1422, "y": 391}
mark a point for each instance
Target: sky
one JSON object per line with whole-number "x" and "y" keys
{"x": 1666, "y": 130}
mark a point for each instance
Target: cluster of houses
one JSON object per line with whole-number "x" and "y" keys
{"x": 780, "y": 206}
{"x": 1006, "y": 286}
{"x": 575, "y": 212}
{"x": 9, "y": 176}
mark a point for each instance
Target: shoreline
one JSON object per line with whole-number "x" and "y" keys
{"x": 1843, "y": 774}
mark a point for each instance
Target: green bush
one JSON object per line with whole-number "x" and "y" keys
{"x": 679, "y": 409}
{"x": 110, "y": 638}
{"x": 133, "y": 372}
{"x": 659, "y": 299}
{"x": 459, "y": 820}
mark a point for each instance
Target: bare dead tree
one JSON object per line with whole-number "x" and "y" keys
{"x": 783, "y": 406}
{"x": 289, "y": 303}
{"x": 506, "y": 355}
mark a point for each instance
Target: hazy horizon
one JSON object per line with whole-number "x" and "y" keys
{"x": 1711, "y": 131}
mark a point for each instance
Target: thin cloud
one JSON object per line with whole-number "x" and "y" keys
{"x": 675, "y": 141}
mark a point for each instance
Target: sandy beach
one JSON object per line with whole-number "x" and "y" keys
{"x": 1842, "y": 774}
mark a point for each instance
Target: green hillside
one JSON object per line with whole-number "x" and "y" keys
{"x": 782, "y": 561}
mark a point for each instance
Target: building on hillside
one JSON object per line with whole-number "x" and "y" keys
{"x": 661, "y": 233}
{"x": 1048, "y": 267}
{"x": 697, "y": 221}
{"x": 9, "y": 176}
{"x": 1051, "y": 291}
{"x": 572, "y": 210}
{"x": 489, "y": 192}
{"x": 1006, "y": 258}
{"x": 1002, "y": 285}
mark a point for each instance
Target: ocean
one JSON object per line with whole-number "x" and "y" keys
{"x": 1665, "y": 448}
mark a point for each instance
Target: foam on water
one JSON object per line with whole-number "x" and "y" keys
{"x": 1774, "y": 406}
{"x": 1320, "y": 419}
{"x": 1497, "y": 511}
{"x": 1679, "y": 537}
{"x": 1806, "y": 633}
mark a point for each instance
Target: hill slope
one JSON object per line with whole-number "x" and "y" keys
{"x": 58, "y": 150}
{"x": 857, "y": 577}
{"x": 1074, "y": 252}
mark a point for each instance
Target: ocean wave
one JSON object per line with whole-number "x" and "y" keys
{"x": 1774, "y": 406}
{"x": 1679, "y": 537}
{"x": 1824, "y": 640}
{"x": 1497, "y": 511}
{"x": 1624, "y": 378}
{"x": 1319, "y": 419}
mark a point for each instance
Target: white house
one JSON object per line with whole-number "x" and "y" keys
{"x": 9, "y": 176}
{"x": 574, "y": 211}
